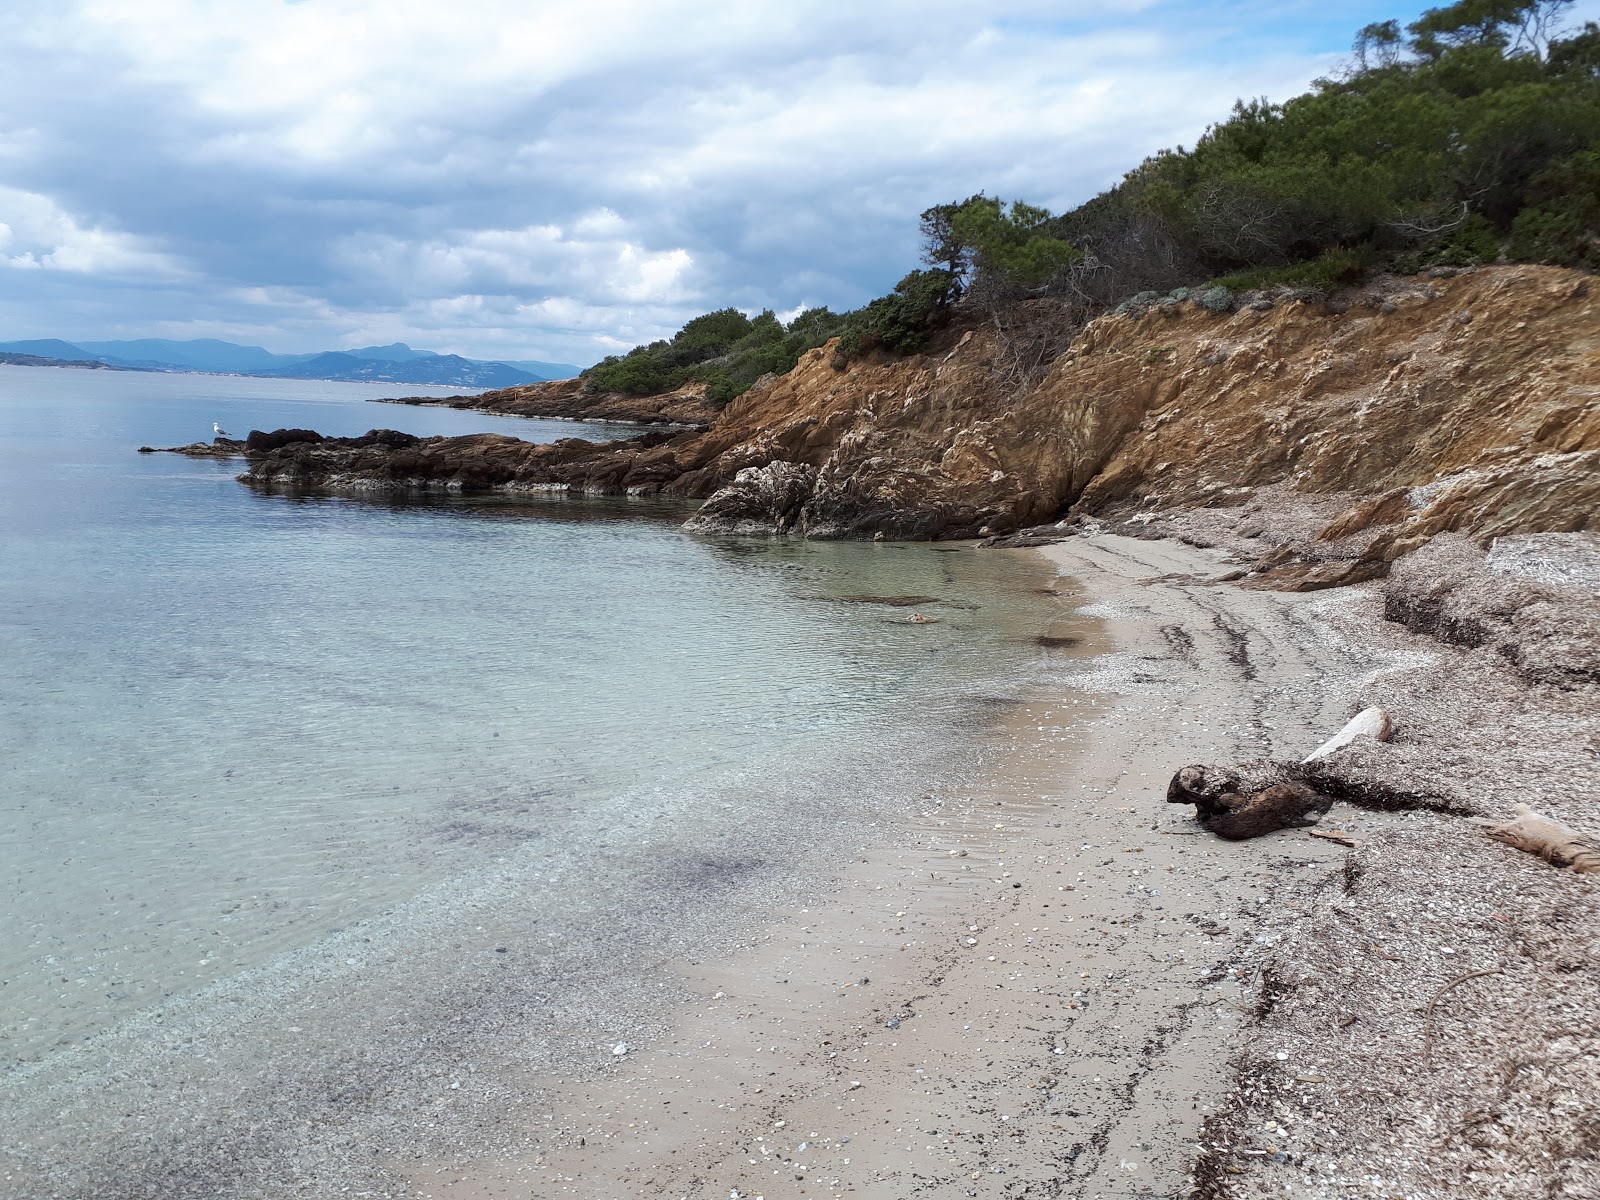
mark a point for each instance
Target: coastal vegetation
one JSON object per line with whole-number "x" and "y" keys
{"x": 1468, "y": 137}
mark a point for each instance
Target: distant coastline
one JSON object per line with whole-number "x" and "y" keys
{"x": 396, "y": 363}
{"x": 8, "y": 359}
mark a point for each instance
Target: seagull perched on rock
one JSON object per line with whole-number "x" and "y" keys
{"x": 220, "y": 431}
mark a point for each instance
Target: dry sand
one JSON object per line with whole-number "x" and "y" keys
{"x": 1035, "y": 989}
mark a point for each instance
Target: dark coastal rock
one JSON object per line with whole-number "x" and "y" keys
{"x": 1023, "y": 539}
{"x": 258, "y": 442}
{"x": 384, "y": 462}
{"x": 760, "y": 500}
{"x": 570, "y": 400}
{"x": 218, "y": 448}
{"x": 1247, "y": 801}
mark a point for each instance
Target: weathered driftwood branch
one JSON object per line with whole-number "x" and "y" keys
{"x": 1246, "y": 801}
{"x": 1261, "y": 797}
{"x": 1549, "y": 839}
{"x": 1369, "y": 722}
{"x": 1335, "y": 835}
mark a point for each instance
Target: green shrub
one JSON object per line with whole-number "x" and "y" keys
{"x": 1138, "y": 302}
{"x": 902, "y": 320}
{"x": 1472, "y": 243}
{"x": 1326, "y": 273}
{"x": 643, "y": 371}
{"x": 1562, "y": 224}
{"x": 714, "y": 332}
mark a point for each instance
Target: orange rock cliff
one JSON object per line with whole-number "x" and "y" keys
{"x": 1357, "y": 428}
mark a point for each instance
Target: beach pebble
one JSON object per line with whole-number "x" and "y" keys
{"x": 620, "y": 1049}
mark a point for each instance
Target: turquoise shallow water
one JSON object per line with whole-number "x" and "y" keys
{"x": 235, "y": 728}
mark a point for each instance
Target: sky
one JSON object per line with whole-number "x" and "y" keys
{"x": 560, "y": 181}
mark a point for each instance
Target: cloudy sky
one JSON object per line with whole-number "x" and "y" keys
{"x": 524, "y": 179}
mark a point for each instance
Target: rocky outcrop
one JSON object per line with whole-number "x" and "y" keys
{"x": 216, "y": 448}
{"x": 384, "y": 462}
{"x": 760, "y": 500}
{"x": 566, "y": 400}
{"x": 1325, "y": 440}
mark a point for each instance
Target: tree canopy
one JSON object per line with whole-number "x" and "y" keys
{"x": 1469, "y": 135}
{"x": 1464, "y": 136}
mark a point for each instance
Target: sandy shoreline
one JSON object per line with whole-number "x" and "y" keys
{"x": 1034, "y": 978}
{"x": 1035, "y": 991}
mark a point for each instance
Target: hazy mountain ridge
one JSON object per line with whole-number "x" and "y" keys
{"x": 436, "y": 368}
{"x": 394, "y": 363}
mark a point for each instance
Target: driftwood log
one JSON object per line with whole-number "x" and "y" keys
{"x": 1369, "y": 722}
{"x": 1548, "y": 838}
{"x": 1248, "y": 800}
{"x": 1262, "y": 797}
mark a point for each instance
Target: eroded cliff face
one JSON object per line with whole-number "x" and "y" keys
{"x": 1469, "y": 403}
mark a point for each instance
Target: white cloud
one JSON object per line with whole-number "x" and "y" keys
{"x": 38, "y": 234}
{"x": 596, "y": 257}
{"x": 527, "y": 178}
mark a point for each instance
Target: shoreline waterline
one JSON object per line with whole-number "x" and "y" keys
{"x": 1034, "y": 977}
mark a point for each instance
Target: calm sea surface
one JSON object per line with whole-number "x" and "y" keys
{"x": 261, "y": 755}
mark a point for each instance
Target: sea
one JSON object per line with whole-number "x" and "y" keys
{"x": 312, "y": 808}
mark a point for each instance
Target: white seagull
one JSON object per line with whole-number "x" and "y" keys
{"x": 220, "y": 431}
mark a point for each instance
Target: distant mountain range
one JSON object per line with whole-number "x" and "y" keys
{"x": 396, "y": 363}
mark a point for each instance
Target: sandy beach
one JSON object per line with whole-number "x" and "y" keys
{"x": 1037, "y": 988}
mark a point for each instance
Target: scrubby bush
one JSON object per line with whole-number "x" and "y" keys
{"x": 1325, "y": 273}
{"x": 1138, "y": 302}
{"x": 902, "y": 320}
{"x": 1561, "y": 225}
{"x": 726, "y": 349}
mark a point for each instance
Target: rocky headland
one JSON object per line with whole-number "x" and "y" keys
{"x": 1324, "y": 438}
{"x": 567, "y": 400}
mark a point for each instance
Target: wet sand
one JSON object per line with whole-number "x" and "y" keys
{"x": 1034, "y": 987}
